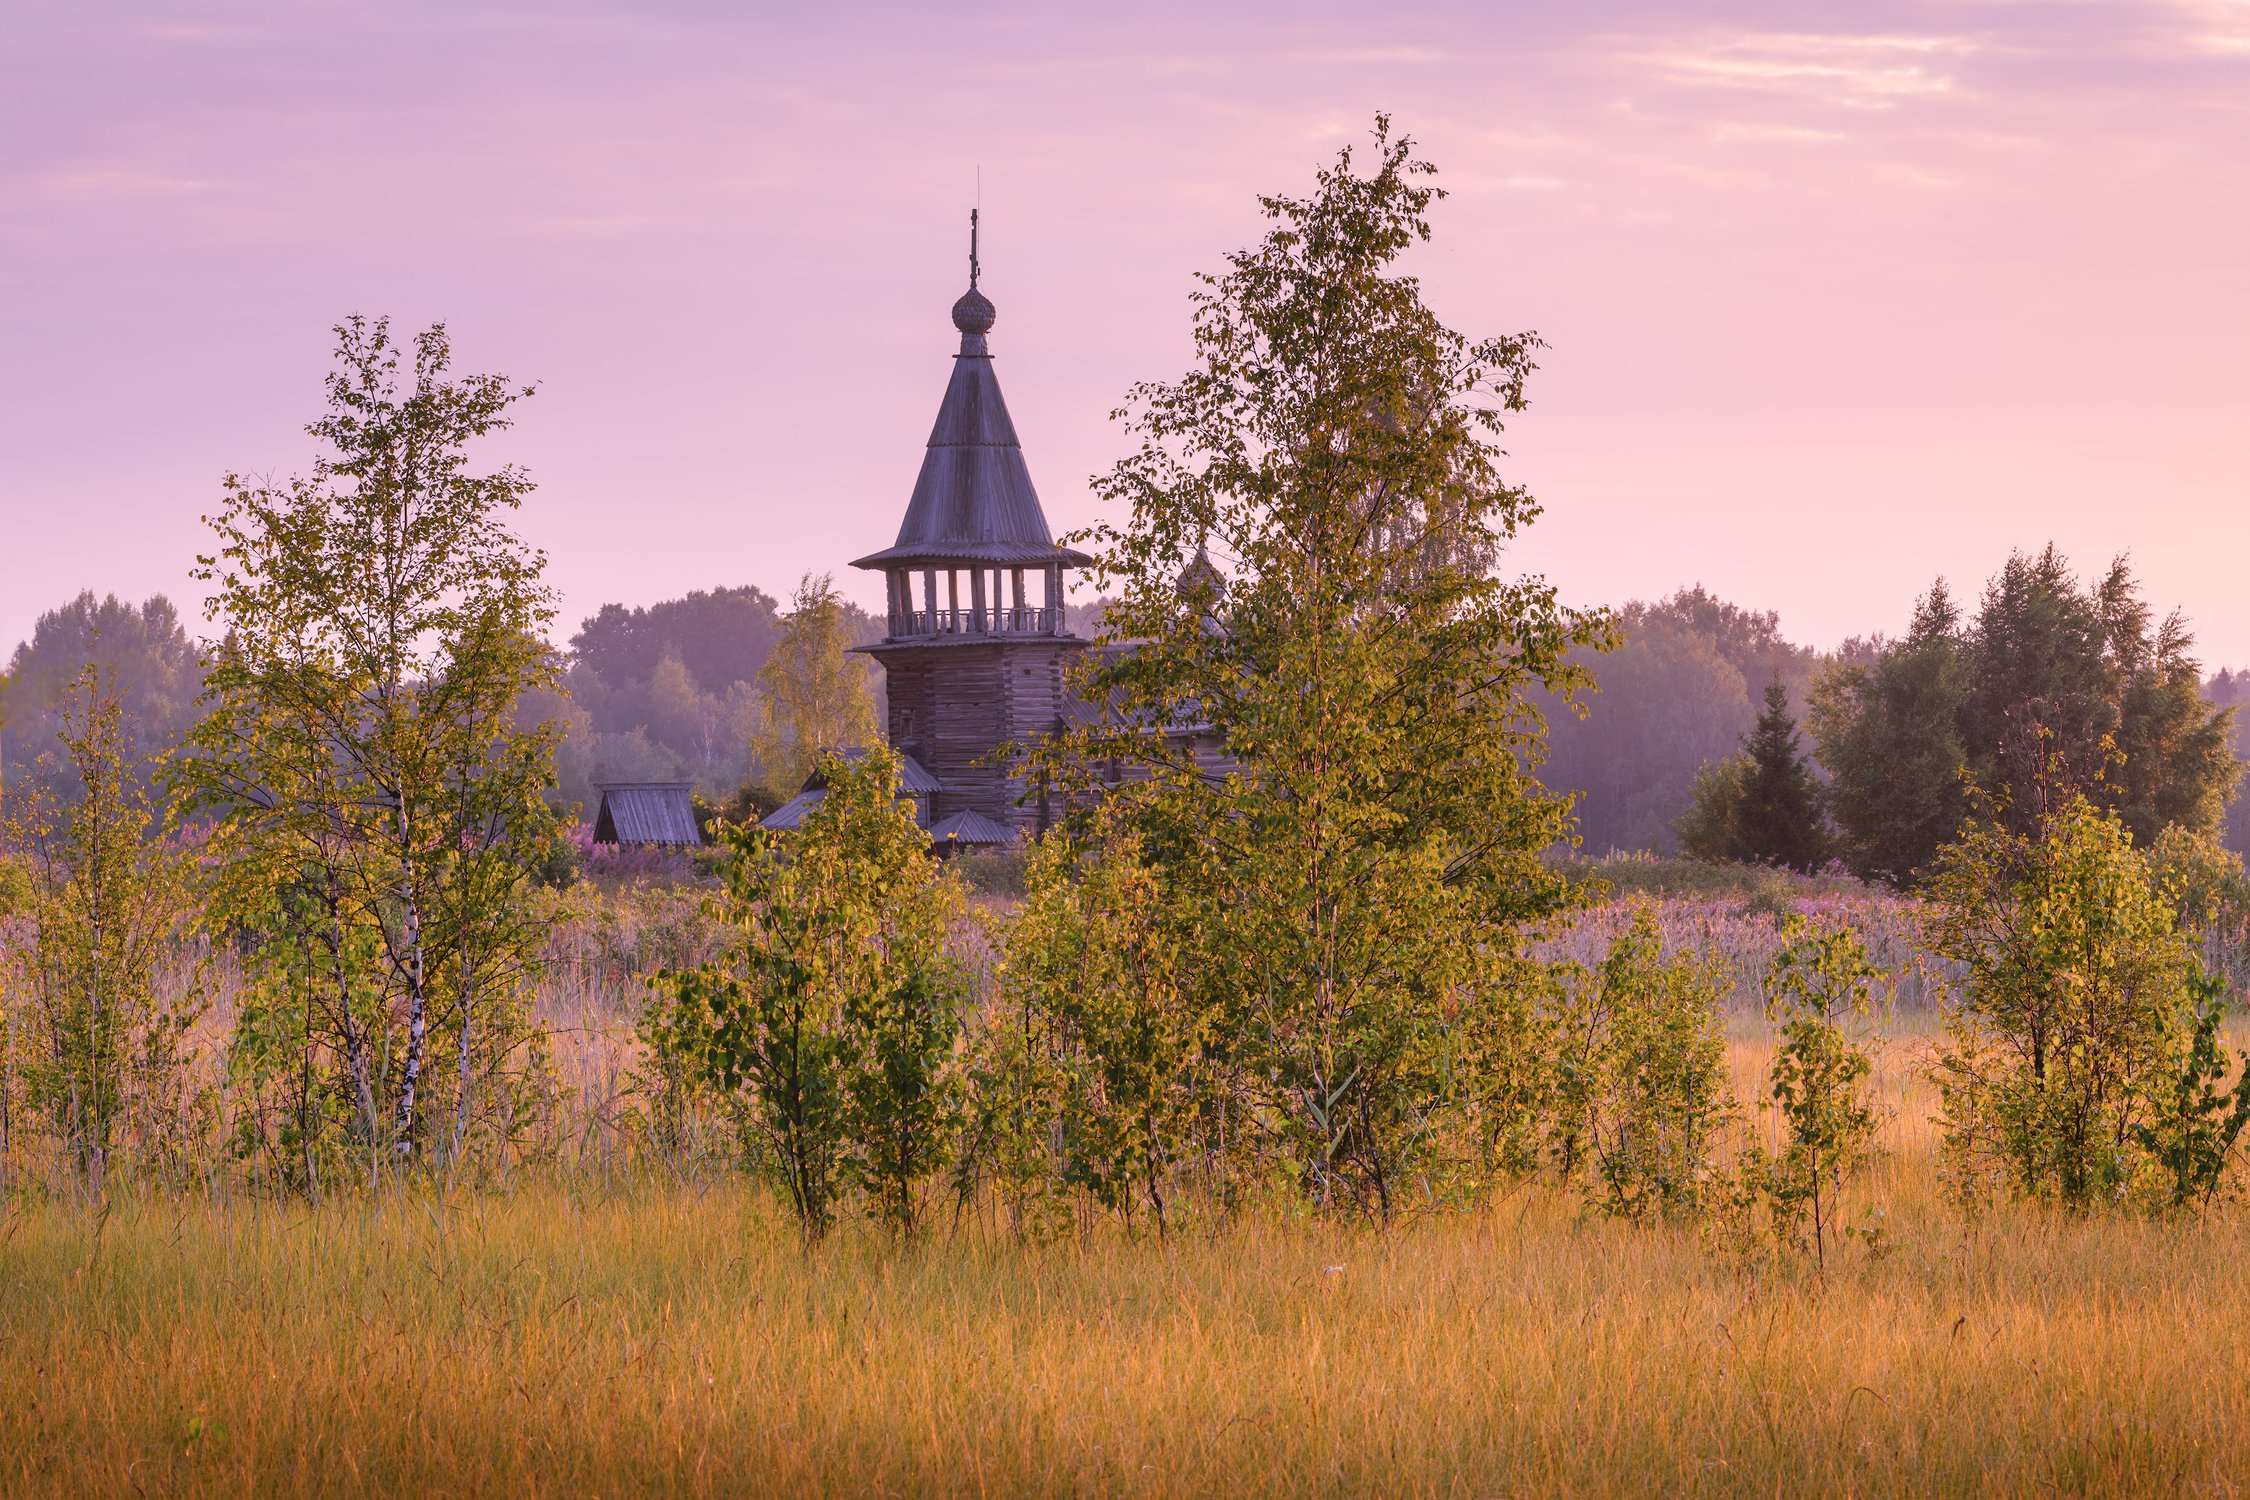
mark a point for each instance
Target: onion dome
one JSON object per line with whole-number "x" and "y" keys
{"x": 973, "y": 313}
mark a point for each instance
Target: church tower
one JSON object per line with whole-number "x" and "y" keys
{"x": 974, "y": 660}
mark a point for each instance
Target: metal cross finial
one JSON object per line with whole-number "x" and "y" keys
{"x": 972, "y": 249}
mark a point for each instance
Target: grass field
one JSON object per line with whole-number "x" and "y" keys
{"x": 651, "y": 1337}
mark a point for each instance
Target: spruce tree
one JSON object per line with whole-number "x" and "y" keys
{"x": 1778, "y": 820}
{"x": 1888, "y": 733}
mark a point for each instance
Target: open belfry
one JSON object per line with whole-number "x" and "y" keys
{"x": 978, "y": 644}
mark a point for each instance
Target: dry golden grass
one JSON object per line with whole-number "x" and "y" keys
{"x": 653, "y": 1339}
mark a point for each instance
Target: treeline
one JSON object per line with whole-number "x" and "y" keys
{"x": 1711, "y": 735}
{"x": 726, "y": 689}
{"x": 1678, "y": 690}
{"x": 691, "y": 689}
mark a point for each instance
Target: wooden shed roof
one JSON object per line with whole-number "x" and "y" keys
{"x": 647, "y": 812}
{"x": 915, "y": 779}
{"x": 971, "y": 828}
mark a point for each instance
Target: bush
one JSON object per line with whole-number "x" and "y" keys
{"x": 1819, "y": 1082}
{"x": 1640, "y": 1091}
{"x": 2073, "y": 1038}
{"x": 994, "y": 872}
{"x": 830, "y": 1018}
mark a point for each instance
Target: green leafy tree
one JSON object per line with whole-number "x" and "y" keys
{"x": 1096, "y": 1066}
{"x": 816, "y": 691}
{"x": 1888, "y": 733}
{"x": 1356, "y": 881}
{"x": 832, "y": 1012}
{"x": 97, "y": 1033}
{"x": 2073, "y": 1023}
{"x": 1817, "y": 984}
{"x": 378, "y": 801}
{"x": 2206, "y": 884}
{"x": 2176, "y": 763}
{"x": 2191, "y": 1132}
{"x": 2053, "y": 687}
{"x": 1761, "y": 806}
{"x": 1709, "y": 829}
{"x": 1639, "y": 1096}
{"x": 2073, "y": 688}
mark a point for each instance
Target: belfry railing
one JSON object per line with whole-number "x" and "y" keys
{"x": 1005, "y": 620}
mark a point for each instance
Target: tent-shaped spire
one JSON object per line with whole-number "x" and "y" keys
{"x": 973, "y": 502}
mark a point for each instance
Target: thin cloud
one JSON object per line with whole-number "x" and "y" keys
{"x": 1867, "y": 71}
{"x": 1785, "y": 135}
{"x": 2222, "y": 26}
{"x": 125, "y": 184}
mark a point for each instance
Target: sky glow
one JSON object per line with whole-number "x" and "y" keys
{"x": 1838, "y": 298}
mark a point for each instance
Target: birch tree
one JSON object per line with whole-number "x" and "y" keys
{"x": 1308, "y": 570}
{"x": 101, "y": 1035}
{"x": 375, "y": 796}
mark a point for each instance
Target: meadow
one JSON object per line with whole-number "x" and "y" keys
{"x": 603, "y": 1323}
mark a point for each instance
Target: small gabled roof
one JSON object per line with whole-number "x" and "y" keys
{"x": 973, "y": 501}
{"x": 911, "y": 774}
{"x": 912, "y": 778}
{"x": 792, "y": 812}
{"x": 646, "y": 812}
{"x": 971, "y": 828}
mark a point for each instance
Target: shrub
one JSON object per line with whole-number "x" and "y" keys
{"x": 2073, "y": 1031}
{"x": 1819, "y": 1081}
{"x": 1639, "y": 1083}
{"x": 831, "y": 1012}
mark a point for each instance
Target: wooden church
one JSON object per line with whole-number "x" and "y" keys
{"x": 977, "y": 645}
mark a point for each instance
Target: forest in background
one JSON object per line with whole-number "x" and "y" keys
{"x": 671, "y": 690}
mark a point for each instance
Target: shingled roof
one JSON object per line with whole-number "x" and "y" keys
{"x": 973, "y": 502}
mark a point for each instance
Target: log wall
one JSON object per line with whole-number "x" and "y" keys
{"x": 954, "y": 704}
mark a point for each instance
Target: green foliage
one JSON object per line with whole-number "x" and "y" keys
{"x": 1888, "y": 732}
{"x": 1760, "y": 807}
{"x": 1709, "y": 829}
{"x": 1351, "y": 892}
{"x": 378, "y": 803}
{"x": 1100, "y": 1059}
{"x": 1819, "y": 980}
{"x": 2206, "y": 885}
{"x": 816, "y": 691}
{"x": 1675, "y": 696}
{"x": 94, "y": 1033}
{"x": 831, "y": 1014}
{"x": 2053, "y": 686}
{"x": 1639, "y": 1092}
{"x": 2191, "y": 1132}
{"x": 2075, "y": 1017}
{"x": 995, "y": 872}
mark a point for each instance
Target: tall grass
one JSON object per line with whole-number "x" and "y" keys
{"x": 589, "y": 1334}
{"x": 607, "y": 1323}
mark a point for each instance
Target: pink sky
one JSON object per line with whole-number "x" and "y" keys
{"x": 1840, "y": 297}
